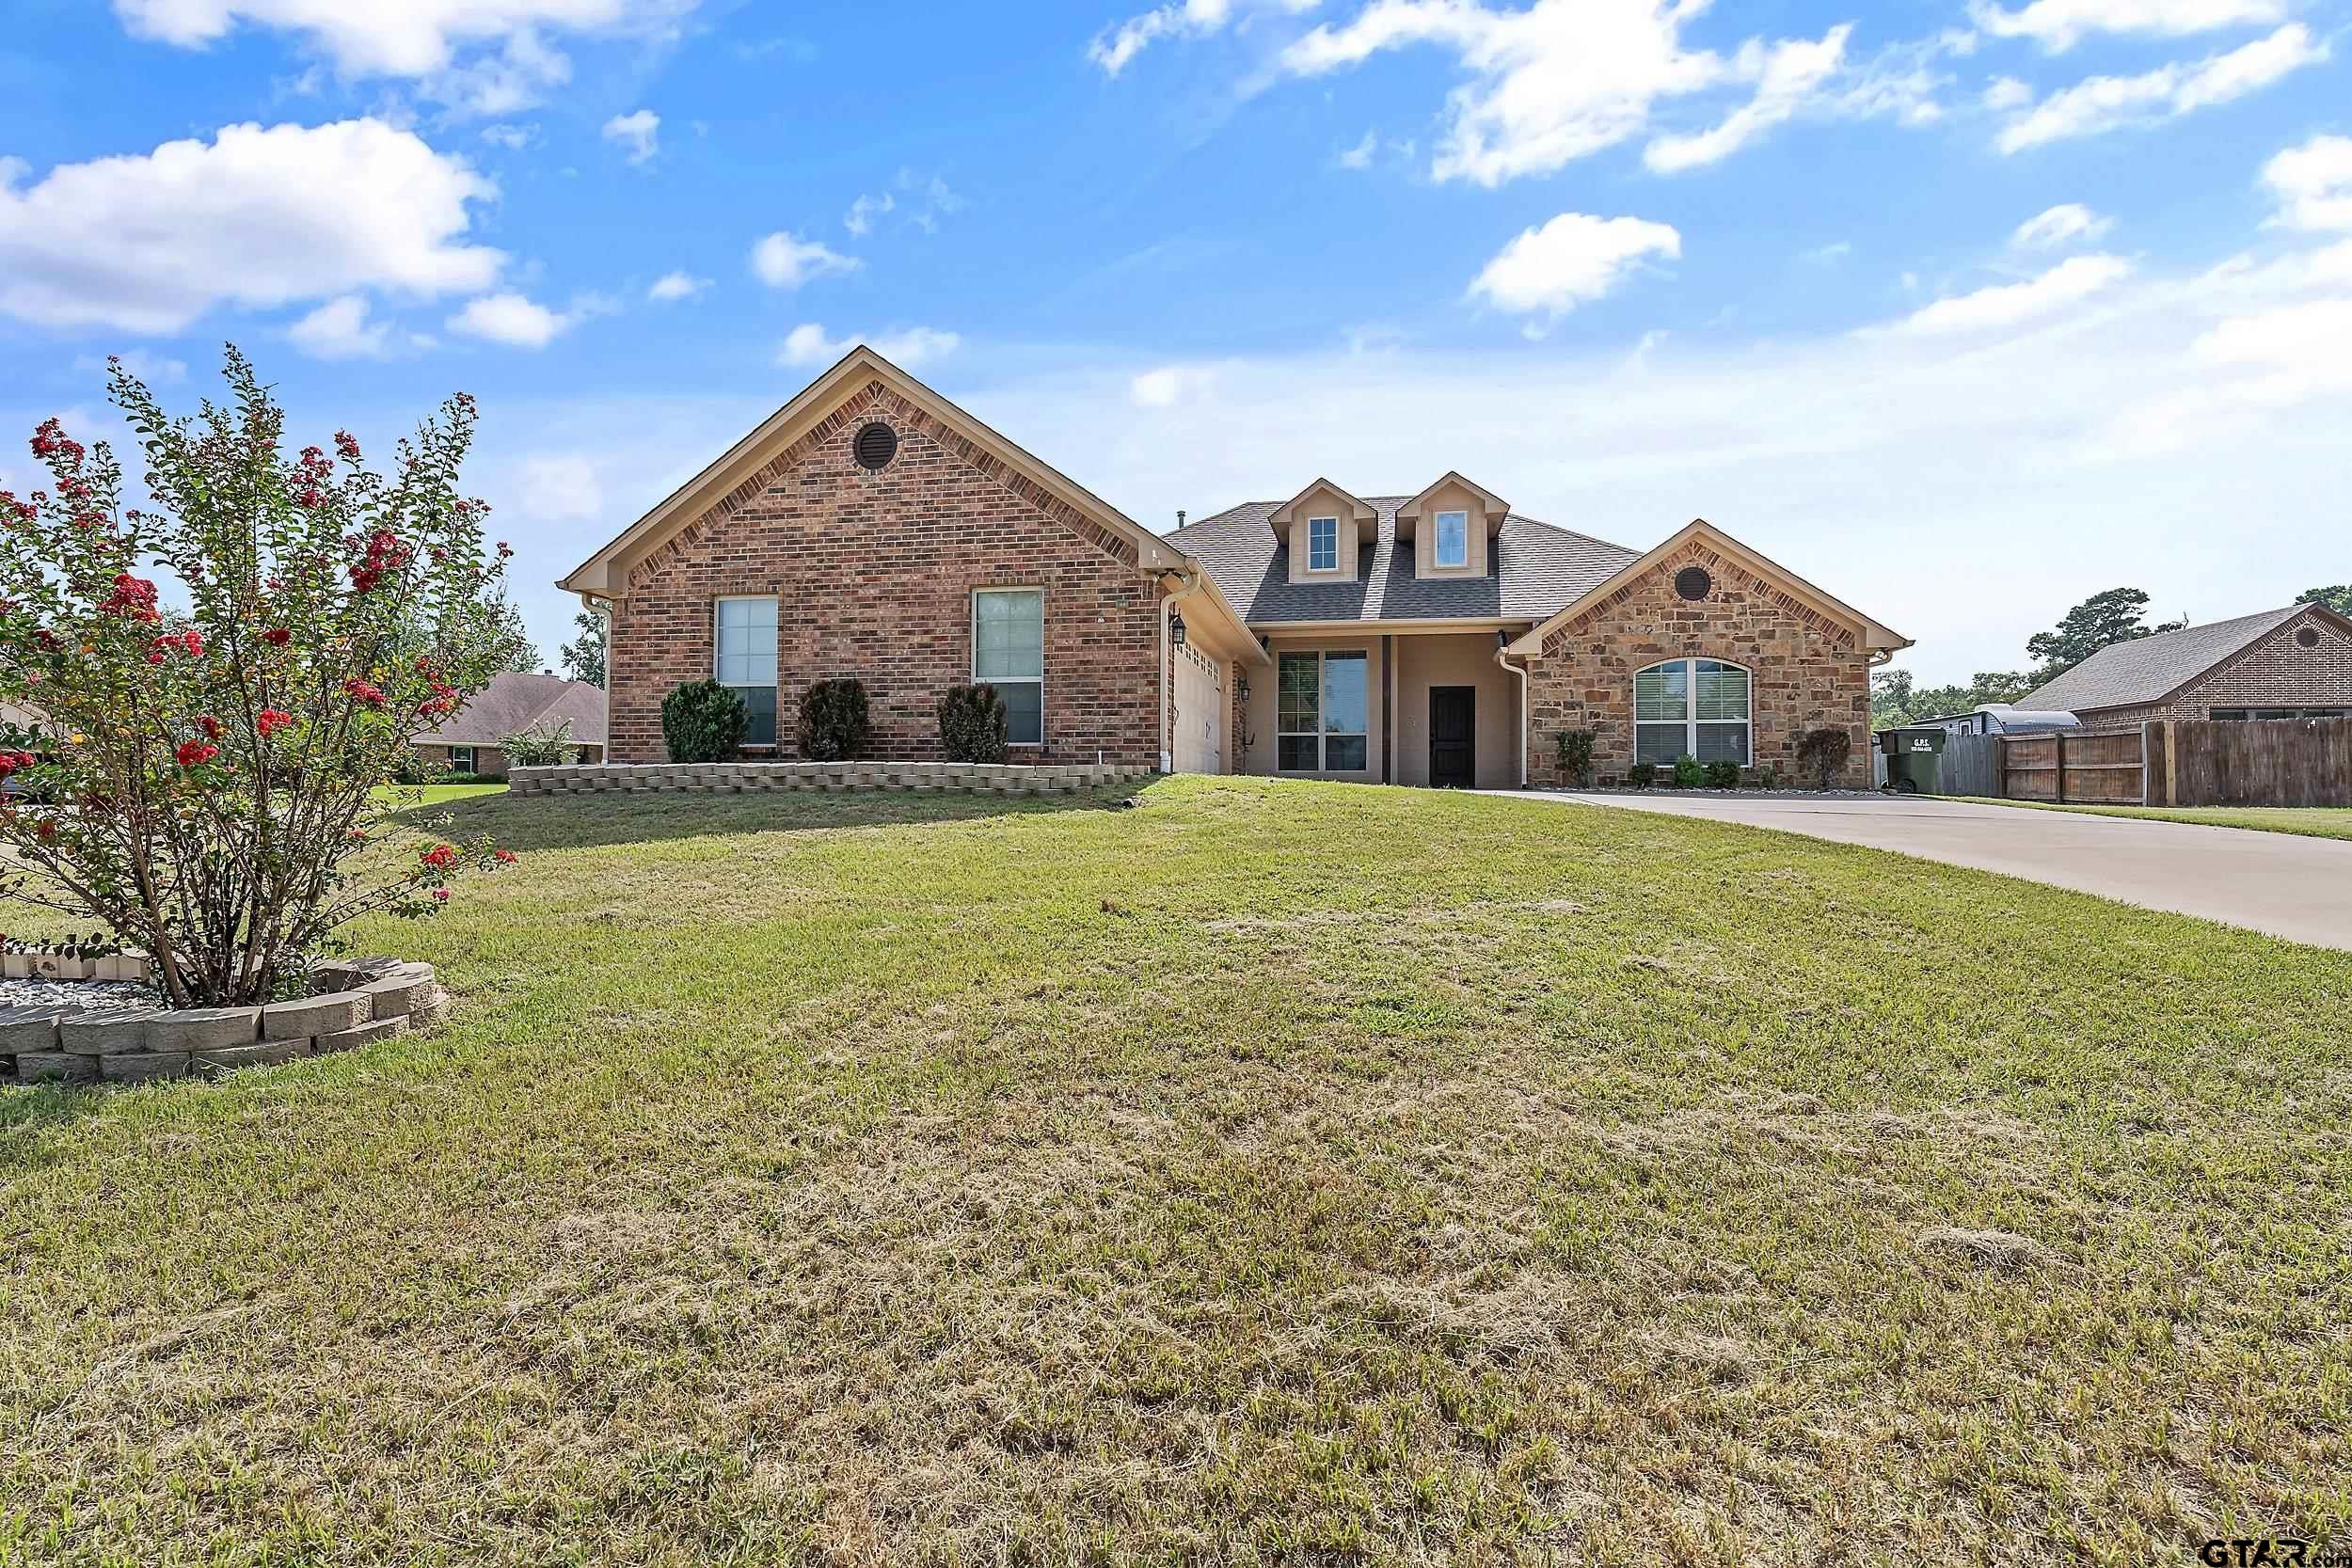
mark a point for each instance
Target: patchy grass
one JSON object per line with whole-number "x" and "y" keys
{"x": 2310, "y": 821}
{"x": 1272, "y": 1173}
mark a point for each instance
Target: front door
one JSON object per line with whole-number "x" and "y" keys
{"x": 1452, "y": 737}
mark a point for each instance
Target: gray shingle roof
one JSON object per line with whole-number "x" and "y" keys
{"x": 2149, "y": 669}
{"x": 514, "y": 703}
{"x": 1533, "y": 569}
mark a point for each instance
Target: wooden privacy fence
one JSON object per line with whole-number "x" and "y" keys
{"x": 2263, "y": 762}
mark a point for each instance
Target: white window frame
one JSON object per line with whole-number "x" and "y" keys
{"x": 1690, "y": 720}
{"x": 473, "y": 762}
{"x": 1037, "y": 680}
{"x": 1437, "y": 541}
{"x": 775, "y": 673}
{"x": 1312, "y": 565}
{"x": 1322, "y": 732}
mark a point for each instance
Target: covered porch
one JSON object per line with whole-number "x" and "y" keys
{"x": 1425, "y": 708}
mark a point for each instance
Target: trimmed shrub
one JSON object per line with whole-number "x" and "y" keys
{"x": 1574, "y": 749}
{"x": 835, "y": 725}
{"x": 1641, "y": 774}
{"x": 1690, "y": 773}
{"x": 702, "y": 722}
{"x": 549, "y": 747}
{"x": 1722, "y": 773}
{"x": 971, "y": 724}
{"x": 1822, "y": 753}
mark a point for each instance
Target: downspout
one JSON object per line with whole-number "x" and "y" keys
{"x": 1503, "y": 657}
{"x": 1191, "y": 580}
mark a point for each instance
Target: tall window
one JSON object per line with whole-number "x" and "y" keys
{"x": 1008, "y": 653}
{"x": 1323, "y": 709}
{"x": 461, "y": 759}
{"x": 1695, "y": 705}
{"x": 747, "y": 662}
{"x": 1323, "y": 544}
{"x": 1452, "y": 538}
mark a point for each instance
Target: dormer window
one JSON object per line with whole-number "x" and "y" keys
{"x": 1452, "y": 538}
{"x": 1323, "y": 544}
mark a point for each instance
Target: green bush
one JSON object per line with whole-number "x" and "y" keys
{"x": 1822, "y": 753}
{"x": 1766, "y": 777}
{"x": 971, "y": 724}
{"x": 1722, "y": 773}
{"x": 1641, "y": 774}
{"x": 834, "y": 724}
{"x": 1690, "y": 773}
{"x": 1574, "y": 749}
{"x": 549, "y": 747}
{"x": 702, "y": 722}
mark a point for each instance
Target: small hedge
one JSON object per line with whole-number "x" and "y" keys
{"x": 971, "y": 724}
{"x": 835, "y": 724}
{"x": 702, "y": 722}
{"x": 1690, "y": 773}
{"x": 1822, "y": 753}
{"x": 1641, "y": 774}
{"x": 1574, "y": 751}
{"x": 1722, "y": 773}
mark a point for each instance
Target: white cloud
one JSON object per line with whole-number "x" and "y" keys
{"x": 1115, "y": 47}
{"x": 340, "y": 330}
{"x": 1360, "y": 155}
{"x": 2060, "y": 226}
{"x": 254, "y": 218}
{"x": 672, "y": 287}
{"x": 2313, "y": 183}
{"x": 511, "y": 137}
{"x": 859, "y": 219}
{"x": 510, "y": 319}
{"x": 154, "y": 369}
{"x": 2070, "y": 282}
{"x": 639, "y": 131}
{"x": 2057, "y": 25}
{"x": 781, "y": 261}
{"x": 2101, "y": 104}
{"x": 2298, "y": 351}
{"x": 559, "y": 487}
{"x": 1571, "y": 260}
{"x": 490, "y": 56}
{"x": 806, "y": 345}
{"x": 1170, "y": 384}
{"x": 1787, "y": 76}
{"x": 929, "y": 200}
{"x": 2004, "y": 93}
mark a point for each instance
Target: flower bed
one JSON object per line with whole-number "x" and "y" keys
{"x": 104, "y": 1040}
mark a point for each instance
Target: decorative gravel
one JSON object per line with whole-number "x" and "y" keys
{"x": 77, "y": 993}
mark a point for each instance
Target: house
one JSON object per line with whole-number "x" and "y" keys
{"x": 2290, "y": 664}
{"x": 514, "y": 704}
{"x": 869, "y": 528}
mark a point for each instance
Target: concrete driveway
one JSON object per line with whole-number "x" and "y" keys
{"x": 2290, "y": 886}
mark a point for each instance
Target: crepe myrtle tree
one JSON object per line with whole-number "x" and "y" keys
{"x": 206, "y": 783}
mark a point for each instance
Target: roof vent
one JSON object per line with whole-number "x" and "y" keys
{"x": 1692, "y": 584}
{"x": 2307, "y": 637}
{"x": 875, "y": 446}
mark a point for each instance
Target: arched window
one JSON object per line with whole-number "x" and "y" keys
{"x": 1696, "y": 705}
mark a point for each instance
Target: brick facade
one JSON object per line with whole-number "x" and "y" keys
{"x": 873, "y": 575}
{"x": 1808, "y": 670}
{"x": 2275, "y": 672}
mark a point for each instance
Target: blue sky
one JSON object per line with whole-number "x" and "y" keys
{"x": 1965, "y": 311}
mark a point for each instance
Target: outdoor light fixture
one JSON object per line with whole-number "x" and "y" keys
{"x": 1245, "y": 689}
{"x": 1176, "y": 628}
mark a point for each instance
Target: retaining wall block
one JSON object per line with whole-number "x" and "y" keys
{"x": 189, "y": 1029}
{"x": 212, "y": 1063}
{"x": 138, "y": 1066}
{"x": 55, "y": 1067}
{"x": 347, "y": 1039}
{"x": 31, "y": 1028}
{"x": 107, "y": 1033}
{"x": 398, "y": 995}
{"x": 316, "y": 1015}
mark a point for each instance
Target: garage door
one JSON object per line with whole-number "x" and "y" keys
{"x": 1198, "y": 739}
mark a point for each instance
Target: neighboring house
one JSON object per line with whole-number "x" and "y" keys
{"x": 2291, "y": 663}
{"x": 871, "y": 528}
{"x": 513, "y": 704}
{"x": 1994, "y": 718}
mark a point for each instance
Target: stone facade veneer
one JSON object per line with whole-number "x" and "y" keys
{"x": 1808, "y": 670}
{"x": 747, "y": 778}
{"x": 352, "y": 1003}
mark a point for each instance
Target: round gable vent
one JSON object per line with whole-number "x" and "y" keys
{"x": 1692, "y": 584}
{"x": 2308, "y": 636}
{"x": 874, "y": 447}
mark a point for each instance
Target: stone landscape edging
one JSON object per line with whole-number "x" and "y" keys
{"x": 735, "y": 778}
{"x": 352, "y": 1003}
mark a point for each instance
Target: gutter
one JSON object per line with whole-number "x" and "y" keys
{"x": 1503, "y": 657}
{"x": 1192, "y": 580}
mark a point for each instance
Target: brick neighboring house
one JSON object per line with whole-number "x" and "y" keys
{"x": 513, "y": 704}
{"x": 2290, "y": 664}
{"x": 871, "y": 528}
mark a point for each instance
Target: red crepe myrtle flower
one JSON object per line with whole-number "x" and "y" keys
{"x": 364, "y": 691}
{"x": 277, "y": 637}
{"x": 346, "y": 447}
{"x": 134, "y": 599}
{"x": 155, "y": 656}
{"x": 194, "y": 753}
{"x": 46, "y": 832}
{"x": 271, "y": 718}
{"x": 440, "y": 857}
{"x": 210, "y": 725}
{"x": 194, "y": 642}
{"x": 441, "y": 895}
{"x": 11, "y": 761}
{"x": 506, "y": 857}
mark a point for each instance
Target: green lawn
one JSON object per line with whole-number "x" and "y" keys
{"x": 435, "y": 795}
{"x": 2310, "y": 821}
{"x": 1282, "y": 1173}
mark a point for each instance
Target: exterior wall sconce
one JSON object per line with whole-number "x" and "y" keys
{"x": 1176, "y": 628}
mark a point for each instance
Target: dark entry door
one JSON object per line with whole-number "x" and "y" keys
{"x": 1452, "y": 737}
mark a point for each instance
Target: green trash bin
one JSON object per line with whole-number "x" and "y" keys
{"x": 1915, "y": 760}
